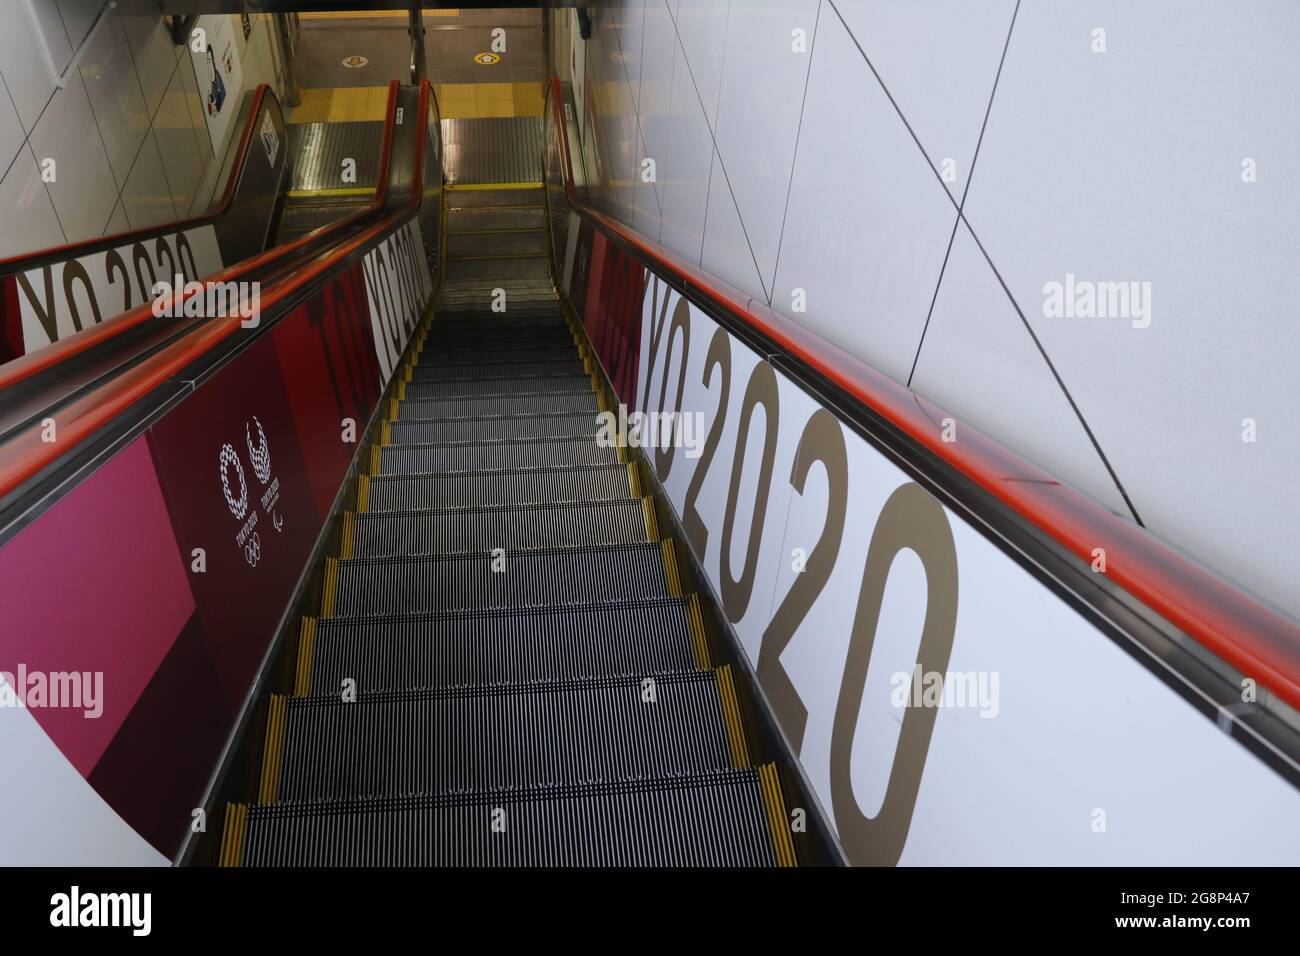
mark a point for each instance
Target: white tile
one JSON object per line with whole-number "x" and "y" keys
{"x": 78, "y": 17}
{"x": 117, "y": 223}
{"x": 685, "y": 154}
{"x": 24, "y": 199}
{"x": 1126, "y": 166}
{"x": 23, "y": 66}
{"x": 702, "y": 29}
{"x": 630, "y": 20}
{"x": 645, "y": 198}
{"x": 175, "y": 138}
{"x": 12, "y": 135}
{"x": 152, "y": 47}
{"x": 727, "y": 251}
{"x": 84, "y": 190}
{"x": 762, "y": 96}
{"x": 868, "y": 222}
{"x": 108, "y": 72}
{"x": 51, "y": 28}
{"x": 980, "y": 363}
{"x": 194, "y": 106}
{"x": 938, "y": 60}
{"x": 147, "y": 197}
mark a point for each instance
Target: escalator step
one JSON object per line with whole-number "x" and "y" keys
{"x": 460, "y": 323}
{"x": 507, "y": 735}
{"x": 437, "y": 355}
{"x": 488, "y": 406}
{"x": 520, "y": 487}
{"x": 496, "y": 456}
{"x": 443, "y": 431}
{"x": 498, "y": 341}
{"x": 394, "y": 533}
{"x": 529, "y": 578}
{"x": 716, "y": 819}
{"x": 491, "y": 647}
{"x": 478, "y": 388}
{"x": 467, "y": 370}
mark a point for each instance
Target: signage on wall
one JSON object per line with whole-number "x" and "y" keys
{"x": 246, "y": 22}
{"x": 487, "y": 59}
{"x": 220, "y": 78}
{"x": 354, "y": 61}
{"x": 270, "y": 139}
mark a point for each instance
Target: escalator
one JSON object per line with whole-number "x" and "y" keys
{"x": 506, "y": 668}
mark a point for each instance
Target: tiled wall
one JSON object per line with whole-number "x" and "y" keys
{"x": 126, "y": 132}
{"x": 1114, "y": 157}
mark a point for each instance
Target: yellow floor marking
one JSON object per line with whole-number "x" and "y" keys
{"x": 378, "y": 14}
{"x": 341, "y": 104}
{"x": 478, "y": 100}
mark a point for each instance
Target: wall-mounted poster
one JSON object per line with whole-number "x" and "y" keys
{"x": 216, "y": 67}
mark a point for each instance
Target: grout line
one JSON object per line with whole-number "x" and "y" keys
{"x": 780, "y": 239}
{"x": 1051, "y": 367}
{"x": 970, "y": 175}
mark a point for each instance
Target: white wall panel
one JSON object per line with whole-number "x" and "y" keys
{"x": 726, "y": 250}
{"x": 24, "y": 199}
{"x": 1126, "y": 166}
{"x": 759, "y": 106}
{"x": 979, "y": 358}
{"x": 684, "y": 161}
{"x": 84, "y": 191}
{"x": 868, "y": 221}
{"x": 108, "y": 71}
{"x": 23, "y": 66}
{"x": 147, "y": 197}
{"x": 938, "y": 60}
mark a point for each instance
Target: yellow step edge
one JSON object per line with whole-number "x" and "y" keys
{"x": 634, "y": 479}
{"x": 651, "y": 523}
{"x": 386, "y": 432}
{"x": 376, "y": 456}
{"x": 331, "y": 193}
{"x": 472, "y": 187}
{"x": 232, "y": 835}
{"x": 306, "y": 650}
{"x": 407, "y": 375}
{"x": 392, "y": 410}
{"x": 346, "y": 538}
{"x": 670, "y": 568}
{"x": 363, "y": 493}
{"x": 621, "y": 450}
{"x": 401, "y": 391}
{"x": 699, "y": 640}
{"x": 770, "y": 788}
{"x": 270, "y": 783}
{"x": 731, "y": 714}
{"x": 331, "y": 581}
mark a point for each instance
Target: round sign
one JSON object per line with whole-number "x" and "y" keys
{"x": 354, "y": 61}
{"x": 487, "y": 59}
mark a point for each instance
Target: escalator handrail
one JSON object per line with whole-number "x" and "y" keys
{"x": 1241, "y": 629}
{"x": 26, "y": 454}
{"x": 26, "y": 366}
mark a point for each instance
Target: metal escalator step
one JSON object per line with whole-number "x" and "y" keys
{"x": 492, "y": 406}
{"x": 569, "y": 525}
{"x": 512, "y": 371}
{"x": 498, "y": 269}
{"x": 712, "y": 819}
{"x": 487, "y": 321}
{"x": 519, "y": 487}
{"x": 397, "y": 652}
{"x": 468, "y": 220}
{"x": 533, "y": 242}
{"x": 507, "y": 735}
{"x": 498, "y": 386}
{"x": 496, "y": 456}
{"x": 500, "y": 428}
{"x": 443, "y": 353}
{"x": 529, "y": 578}
{"x": 487, "y": 339}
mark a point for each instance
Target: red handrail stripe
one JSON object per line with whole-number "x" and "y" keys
{"x": 1257, "y": 640}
